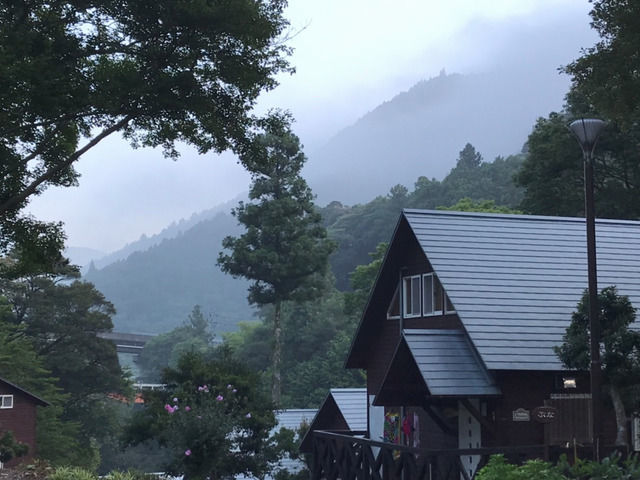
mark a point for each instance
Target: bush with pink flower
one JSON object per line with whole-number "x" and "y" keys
{"x": 222, "y": 429}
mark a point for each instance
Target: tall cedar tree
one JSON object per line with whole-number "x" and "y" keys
{"x": 158, "y": 72}
{"x": 620, "y": 347}
{"x": 285, "y": 248}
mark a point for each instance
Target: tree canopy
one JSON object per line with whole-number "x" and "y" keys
{"x": 604, "y": 85}
{"x": 164, "y": 350}
{"x": 159, "y": 73}
{"x": 620, "y": 350}
{"x": 606, "y": 73}
{"x": 285, "y": 248}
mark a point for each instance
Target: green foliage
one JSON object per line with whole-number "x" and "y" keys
{"x": 10, "y": 448}
{"x": 212, "y": 417}
{"x": 610, "y": 468}
{"x": 160, "y": 74}
{"x": 72, "y": 473}
{"x": 604, "y": 74}
{"x": 285, "y": 247}
{"x": 164, "y": 350}
{"x": 486, "y": 206}
{"x": 362, "y": 280}
{"x": 499, "y": 469}
{"x": 49, "y": 331}
{"x": 603, "y": 86}
{"x": 313, "y": 350}
{"x": 620, "y": 352}
{"x": 619, "y": 347}
{"x": 284, "y": 251}
{"x": 359, "y": 229}
{"x": 57, "y": 437}
{"x": 553, "y": 172}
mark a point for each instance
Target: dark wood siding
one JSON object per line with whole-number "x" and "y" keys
{"x": 381, "y": 354}
{"x": 528, "y": 390}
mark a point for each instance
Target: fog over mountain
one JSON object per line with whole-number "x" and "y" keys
{"x": 421, "y": 130}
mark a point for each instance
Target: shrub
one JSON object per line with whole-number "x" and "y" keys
{"x": 499, "y": 469}
{"x": 72, "y": 473}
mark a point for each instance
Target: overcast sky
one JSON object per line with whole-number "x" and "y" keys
{"x": 350, "y": 56}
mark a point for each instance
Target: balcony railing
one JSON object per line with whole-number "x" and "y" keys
{"x": 346, "y": 457}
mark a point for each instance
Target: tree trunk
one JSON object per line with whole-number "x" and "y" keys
{"x": 621, "y": 416}
{"x": 276, "y": 378}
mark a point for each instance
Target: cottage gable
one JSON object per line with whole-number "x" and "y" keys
{"x": 513, "y": 280}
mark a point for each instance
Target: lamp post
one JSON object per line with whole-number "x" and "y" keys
{"x": 587, "y": 131}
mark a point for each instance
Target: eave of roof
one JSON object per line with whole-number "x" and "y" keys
{"x": 446, "y": 362}
{"x": 36, "y": 398}
{"x": 358, "y": 349}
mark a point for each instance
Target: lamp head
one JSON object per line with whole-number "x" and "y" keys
{"x": 587, "y": 131}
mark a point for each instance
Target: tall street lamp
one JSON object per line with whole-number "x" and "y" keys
{"x": 587, "y": 131}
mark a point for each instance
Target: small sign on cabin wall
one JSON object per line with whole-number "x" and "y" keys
{"x": 521, "y": 415}
{"x": 545, "y": 414}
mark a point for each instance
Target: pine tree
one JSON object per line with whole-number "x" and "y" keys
{"x": 285, "y": 248}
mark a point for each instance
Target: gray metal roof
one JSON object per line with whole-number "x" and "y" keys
{"x": 292, "y": 418}
{"x": 448, "y": 363}
{"x": 352, "y": 403}
{"x": 515, "y": 280}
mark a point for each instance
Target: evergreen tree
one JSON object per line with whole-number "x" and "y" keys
{"x": 285, "y": 248}
{"x": 620, "y": 347}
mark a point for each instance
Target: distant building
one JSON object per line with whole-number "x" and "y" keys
{"x": 343, "y": 411}
{"x": 18, "y": 415}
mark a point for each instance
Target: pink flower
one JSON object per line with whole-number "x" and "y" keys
{"x": 175, "y": 399}
{"x": 187, "y": 452}
{"x": 169, "y": 408}
{"x": 187, "y": 408}
{"x": 248, "y": 415}
{"x": 219, "y": 398}
{"x": 234, "y": 390}
{"x": 203, "y": 388}
{"x": 229, "y": 387}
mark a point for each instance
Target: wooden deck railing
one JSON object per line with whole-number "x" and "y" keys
{"x": 345, "y": 457}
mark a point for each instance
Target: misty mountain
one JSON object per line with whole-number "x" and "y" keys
{"x": 420, "y": 132}
{"x": 418, "y": 135}
{"x": 156, "y": 289}
{"x": 173, "y": 230}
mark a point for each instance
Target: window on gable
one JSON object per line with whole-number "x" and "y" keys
{"x": 394, "y": 307}
{"x": 6, "y": 401}
{"x": 411, "y": 296}
{"x": 431, "y": 294}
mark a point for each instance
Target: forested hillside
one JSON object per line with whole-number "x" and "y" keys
{"x": 154, "y": 291}
{"x": 358, "y": 229}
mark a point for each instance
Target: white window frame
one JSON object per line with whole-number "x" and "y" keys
{"x": 433, "y": 293}
{"x": 406, "y": 301}
{"x": 447, "y": 300}
{"x": 6, "y": 401}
